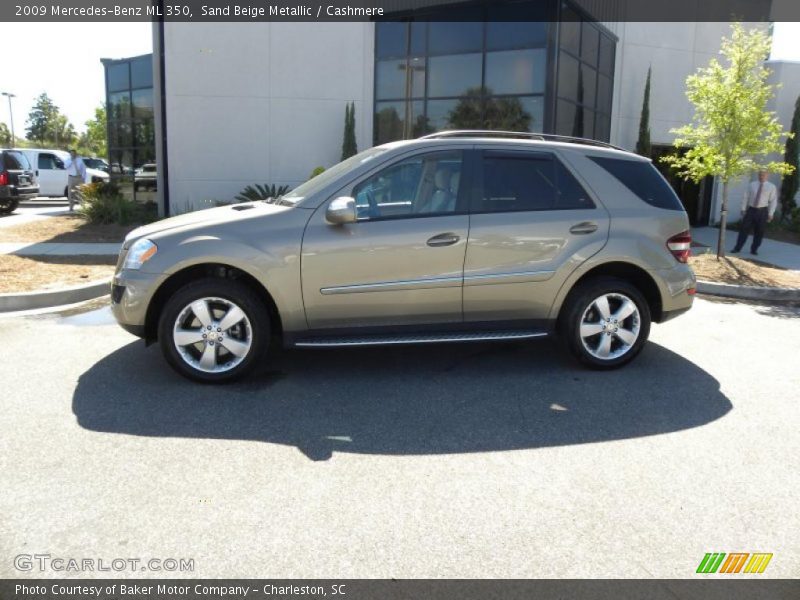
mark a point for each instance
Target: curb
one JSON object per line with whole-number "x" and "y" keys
{"x": 770, "y": 294}
{"x": 69, "y": 295}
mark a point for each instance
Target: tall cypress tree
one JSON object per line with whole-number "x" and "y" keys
{"x": 643, "y": 146}
{"x": 349, "y": 146}
{"x": 790, "y": 183}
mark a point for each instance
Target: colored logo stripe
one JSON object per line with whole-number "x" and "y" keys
{"x": 710, "y": 562}
{"x": 734, "y": 563}
{"x": 758, "y": 563}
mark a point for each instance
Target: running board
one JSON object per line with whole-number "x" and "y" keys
{"x": 419, "y": 338}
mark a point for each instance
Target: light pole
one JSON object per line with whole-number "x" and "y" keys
{"x": 11, "y": 116}
{"x": 409, "y": 67}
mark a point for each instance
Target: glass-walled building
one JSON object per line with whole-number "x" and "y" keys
{"x": 499, "y": 65}
{"x": 131, "y": 126}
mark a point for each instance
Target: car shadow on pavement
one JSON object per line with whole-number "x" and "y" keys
{"x": 404, "y": 401}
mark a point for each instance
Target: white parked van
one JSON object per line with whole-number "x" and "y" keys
{"x": 50, "y": 172}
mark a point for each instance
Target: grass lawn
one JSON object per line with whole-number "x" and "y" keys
{"x": 42, "y": 273}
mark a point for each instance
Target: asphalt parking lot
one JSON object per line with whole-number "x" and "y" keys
{"x": 451, "y": 461}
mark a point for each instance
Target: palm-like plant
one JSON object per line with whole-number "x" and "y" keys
{"x": 261, "y": 192}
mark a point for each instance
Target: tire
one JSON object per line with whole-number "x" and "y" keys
{"x": 616, "y": 341}
{"x": 218, "y": 355}
{"x": 8, "y": 206}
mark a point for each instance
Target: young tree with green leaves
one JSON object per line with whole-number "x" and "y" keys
{"x": 791, "y": 156}
{"x": 732, "y": 132}
{"x": 643, "y": 145}
{"x": 5, "y": 135}
{"x": 349, "y": 146}
{"x": 93, "y": 140}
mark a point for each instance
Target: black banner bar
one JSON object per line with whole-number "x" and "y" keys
{"x": 370, "y": 10}
{"x": 722, "y": 588}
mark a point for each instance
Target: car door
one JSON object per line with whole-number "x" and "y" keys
{"x": 401, "y": 263}
{"x": 51, "y": 174}
{"x": 531, "y": 224}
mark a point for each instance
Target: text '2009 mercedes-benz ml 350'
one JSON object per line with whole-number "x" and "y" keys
{"x": 457, "y": 236}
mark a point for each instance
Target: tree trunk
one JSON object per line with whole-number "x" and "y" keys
{"x": 723, "y": 221}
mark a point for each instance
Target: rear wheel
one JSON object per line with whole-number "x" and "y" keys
{"x": 214, "y": 330}
{"x": 7, "y": 206}
{"x": 605, "y": 322}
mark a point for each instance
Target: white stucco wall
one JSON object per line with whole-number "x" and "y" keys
{"x": 260, "y": 103}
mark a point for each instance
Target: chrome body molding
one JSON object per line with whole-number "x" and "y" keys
{"x": 440, "y": 282}
{"x": 422, "y": 338}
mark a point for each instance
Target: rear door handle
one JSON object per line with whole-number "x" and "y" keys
{"x": 583, "y": 228}
{"x": 443, "y": 239}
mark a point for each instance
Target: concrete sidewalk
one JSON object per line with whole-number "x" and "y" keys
{"x": 780, "y": 254}
{"x": 28, "y": 214}
{"x": 56, "y": 249}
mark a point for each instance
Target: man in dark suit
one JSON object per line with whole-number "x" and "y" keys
{"x": 758, "y": 208}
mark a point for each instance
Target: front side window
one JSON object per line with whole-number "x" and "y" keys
{"x": 519, "y": 182}
{"x": 47, "y": 161}
{"x": 422, "y": 185}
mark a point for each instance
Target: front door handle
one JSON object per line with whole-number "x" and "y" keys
{"x": 443, "y": 239}
{"x": 583, "y": 228}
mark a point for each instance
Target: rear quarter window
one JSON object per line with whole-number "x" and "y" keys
{"x": 14, "y": 161}
{"x": 642, "y": 179}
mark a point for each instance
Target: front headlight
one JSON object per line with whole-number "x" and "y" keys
{"x": 139, "y": 253}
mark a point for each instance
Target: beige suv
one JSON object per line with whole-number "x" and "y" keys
{"x": 458, "y": 236}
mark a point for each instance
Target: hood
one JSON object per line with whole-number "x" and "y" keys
{"x": 96, "y": 173}
{"x": 209, "y": 216}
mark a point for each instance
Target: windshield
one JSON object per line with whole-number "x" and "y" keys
{"x": 94, "y": 163}
{"x": 315, "y": 184}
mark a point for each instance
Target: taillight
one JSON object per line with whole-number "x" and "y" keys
{"x": 4, "y": 178}
{"x": 681, "y": 246}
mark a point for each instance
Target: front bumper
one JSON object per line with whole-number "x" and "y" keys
{"x": 131, "y": 293}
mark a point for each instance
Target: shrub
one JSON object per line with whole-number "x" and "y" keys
{"x": 317, "y": 171}
{"x": 102, "y": 202}
{"x": 261, "y": 192}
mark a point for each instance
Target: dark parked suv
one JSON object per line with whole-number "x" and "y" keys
{"x": 16, "y": 180}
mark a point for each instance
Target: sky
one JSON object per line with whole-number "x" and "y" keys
{"x": 64, "y": 60}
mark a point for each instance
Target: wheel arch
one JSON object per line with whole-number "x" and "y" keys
{"x": 201, "y": 271}
{"x": 626, "y": 271}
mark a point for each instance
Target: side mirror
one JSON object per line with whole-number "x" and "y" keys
{"x": 342, "y": 210}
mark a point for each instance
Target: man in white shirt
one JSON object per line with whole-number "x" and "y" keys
{"x": 758, "y": 208}
{"x": 76, "y": 175}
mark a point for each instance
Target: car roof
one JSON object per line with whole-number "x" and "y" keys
{"x": 517, "y": 139}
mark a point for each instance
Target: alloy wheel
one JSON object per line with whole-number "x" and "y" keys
{"x": 212, "y": 335}
{"x": 610, "y": 326}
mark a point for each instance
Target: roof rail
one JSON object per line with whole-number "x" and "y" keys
{"x": 544, "y": 137}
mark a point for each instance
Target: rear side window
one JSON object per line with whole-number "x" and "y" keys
{"x": 643, "y": 180}
{"x": 15, "y": 161}
{"x": 524, "y": 182}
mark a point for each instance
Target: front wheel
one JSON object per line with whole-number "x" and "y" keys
{"x": 214, "y": 330}
{"x": 605, "y": 323}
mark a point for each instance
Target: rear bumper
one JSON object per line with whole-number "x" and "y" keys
{"x": 10, "y": 192}
{"x": 677, "y": 286}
